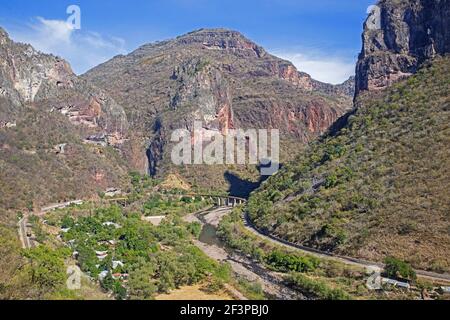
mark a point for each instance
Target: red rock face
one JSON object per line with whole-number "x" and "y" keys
{"x": 222, "y": 79}
{"x": 290, "y": 73}
{"x": 286, "y": 71}
{"x": 316, "y": 117}
{"x": 226, "y": 119}
{"x": 29, "y": 77}
{"x": 94, "y": 108}
{"x": 319, "y": 118}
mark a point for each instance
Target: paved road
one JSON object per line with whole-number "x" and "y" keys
{"x": 26, "y": 241}
{"x": 60, "y": 206}
{"x": 368, "y": 265}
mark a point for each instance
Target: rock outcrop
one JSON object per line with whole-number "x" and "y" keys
{"x": 221, "y": 78}
{"x": 54, "y": 128}
{"x": 377, "y": 185}
{"x": 398, "y": 37}
{"x": 29, "y": 77}
{"x": 223, "y": 40}
{"x": 203, "y": 85}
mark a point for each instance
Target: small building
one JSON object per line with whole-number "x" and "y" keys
{"x": 109, "y": 243}
{"x": 101, "y": 255}
{"x": 120, "y": 276}
{"x": 116, "y": 264}
{"x": 444, "y": 290}
{"x": 110, "y": 223}
{"x": 102, "y": 275}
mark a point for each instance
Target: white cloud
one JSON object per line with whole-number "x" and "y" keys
{"x": 83, "y": 49}
{"x": 59, "y": 31}
{"x": 324, "y": 68}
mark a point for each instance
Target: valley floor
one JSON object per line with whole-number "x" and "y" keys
{"x": 196, "y": 293}
{"x": 242, "y": 266}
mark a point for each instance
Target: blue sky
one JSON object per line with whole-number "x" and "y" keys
{"x": 321, "y": 37}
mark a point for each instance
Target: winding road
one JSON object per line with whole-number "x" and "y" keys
{"x": 27, "y": 242}
{"x": 216, "y": 214}
{"x": 368, "y": 265}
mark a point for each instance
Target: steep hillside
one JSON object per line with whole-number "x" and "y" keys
{"x": 379, "y": 187}
{"x": 60, "y": 137}
{"x": 222, "y": 79}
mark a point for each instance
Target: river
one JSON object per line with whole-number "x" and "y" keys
{"x": 271, "y": 282}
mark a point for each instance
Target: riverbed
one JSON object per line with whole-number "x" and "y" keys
{"x": 211, "y": 245}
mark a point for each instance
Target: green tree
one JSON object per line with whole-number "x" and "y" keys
{"x": 195, "y": 228}
{"x": 120, "y": 291}
{"x": 141, "y": 283}
{"x": 67, "y": 222}
{"x": 397, "y": 269}
{"x": 46, "y": 268}
{"x": 108, "y": 282}
{"x": 87, "y": 260}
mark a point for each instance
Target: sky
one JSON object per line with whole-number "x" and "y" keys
{"x": 321, "y": 37}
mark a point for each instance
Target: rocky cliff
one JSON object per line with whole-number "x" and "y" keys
{"x": 55, "y": 129}
{"x": 28, "y": 77}
{"x": 378, "y": 185}
{"x": 398, "y": 37}
{"x": 221, "y": 78}
{"x": 377, "y": 188}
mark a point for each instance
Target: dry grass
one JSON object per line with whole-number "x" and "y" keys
{"x": 196, "y": 293}
{"x": 381, "y": 186}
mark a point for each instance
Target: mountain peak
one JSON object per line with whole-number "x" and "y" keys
{"x": 219, "y": 32}
{"x": 220, "y": 39}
